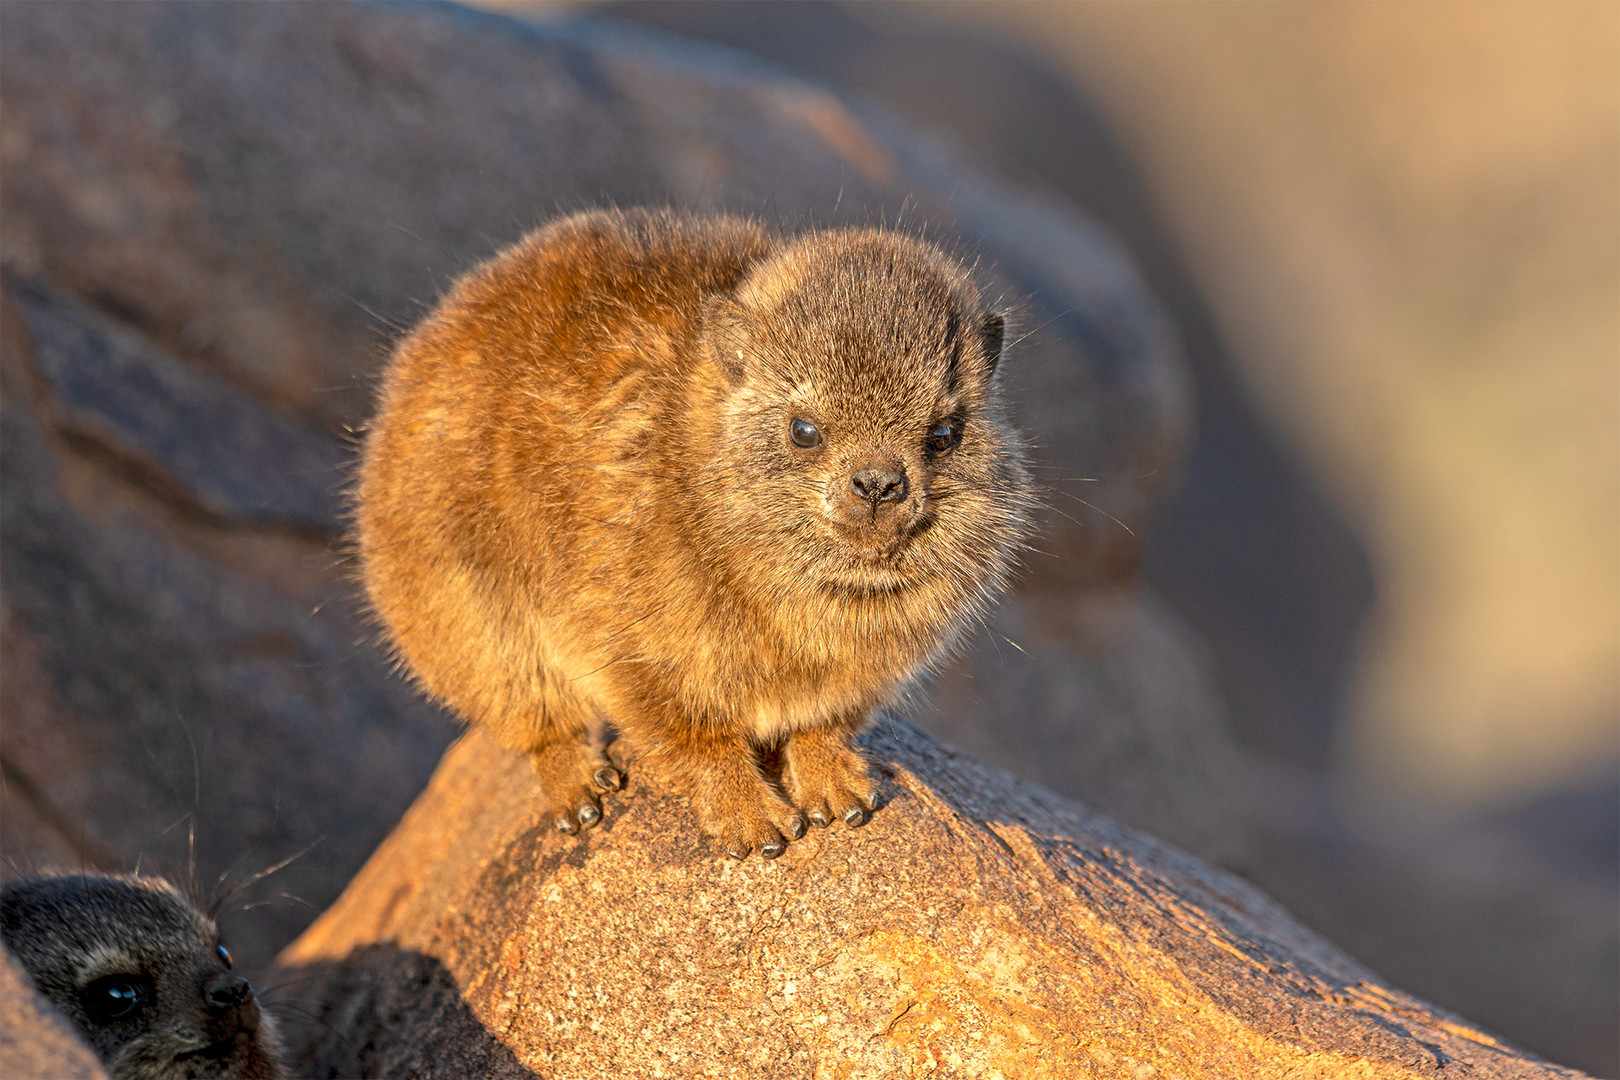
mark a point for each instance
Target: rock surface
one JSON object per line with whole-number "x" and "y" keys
{"x": 35, "y": 1039}
{"x": 978, "y": 927}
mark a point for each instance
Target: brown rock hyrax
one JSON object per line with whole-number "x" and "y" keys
{"x": 722, "y": 491}
{"x": 140, "y": 971}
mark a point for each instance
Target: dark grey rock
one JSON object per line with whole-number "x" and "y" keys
{"x": 194, "y": 437}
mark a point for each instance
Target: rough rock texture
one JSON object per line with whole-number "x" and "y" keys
{"x": 35, "y": 1039}
{"x": 978, "y": 927}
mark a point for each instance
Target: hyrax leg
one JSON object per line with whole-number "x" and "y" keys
{"x": 734, "y": 803}
{"x": 573, "y": 774}
{"x": 827, "y": 776}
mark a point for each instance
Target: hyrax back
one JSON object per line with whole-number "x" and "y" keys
{"x": 720, "y": 490}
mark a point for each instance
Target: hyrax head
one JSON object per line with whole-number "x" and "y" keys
{"x": 141, "y": 973}
{"x": 862, "y": 402}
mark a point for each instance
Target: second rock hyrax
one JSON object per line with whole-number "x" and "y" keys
{"x": 140, "y": 971}
{"x": 721, "y": 491}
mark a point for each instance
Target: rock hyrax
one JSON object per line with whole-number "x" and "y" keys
{"x": 723, "y": 491}
{"x": 142, "y": 975}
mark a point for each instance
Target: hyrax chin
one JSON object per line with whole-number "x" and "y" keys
{"x": 723, "y": 491}
{"x": 140, "y": 971}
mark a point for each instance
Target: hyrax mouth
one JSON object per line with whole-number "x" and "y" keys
{"x": 884, "y": 555}
{"x": 214, "y": 1051}
{"x": 878, "y": 541}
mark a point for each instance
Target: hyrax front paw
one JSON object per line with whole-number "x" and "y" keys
{"x": 745, "y": 814}
{"x": 573, "y": 777}
{"x": 827, "y": 777}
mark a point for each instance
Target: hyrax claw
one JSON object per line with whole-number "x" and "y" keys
{"x": 567, "y": 769}
{"x": 828, "y": 777}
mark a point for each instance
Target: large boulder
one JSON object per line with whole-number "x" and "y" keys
{"x": 978, "y": 927}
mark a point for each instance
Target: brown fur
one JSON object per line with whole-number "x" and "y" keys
{"x": 77, "y": 935}
{"x": 580, "y": 504}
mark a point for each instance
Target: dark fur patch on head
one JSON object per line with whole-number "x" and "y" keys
{"x": 875, "y": 314}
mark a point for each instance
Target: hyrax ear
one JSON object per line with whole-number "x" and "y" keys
{"x": 991, "y": 332}
{"x": 723, "y": 335}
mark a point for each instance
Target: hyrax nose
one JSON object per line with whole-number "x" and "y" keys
{"x": 879, "y": 483}
{"x": 226, "y": 992}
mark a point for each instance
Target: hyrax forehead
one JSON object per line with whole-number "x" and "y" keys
{"x": 72, "y": 925}
{"x": 866, "y": 318}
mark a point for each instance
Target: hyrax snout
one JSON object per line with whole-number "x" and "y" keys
{"x": 721, "y": 490}
{"x": 878, "y": 486}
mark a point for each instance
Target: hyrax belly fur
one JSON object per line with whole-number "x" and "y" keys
{"x": 722, "y": 491}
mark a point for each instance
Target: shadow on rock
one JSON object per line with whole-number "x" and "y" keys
{"x": 363, "y": 1016}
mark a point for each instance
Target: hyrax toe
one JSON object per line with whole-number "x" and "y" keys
{"x": 838, "y": 803}
{"x": 743, "y": 835}
{"x": 573, "y": 777}
{"x": 576, "y": 811}
{"x": 752, "y": 819}
{"x": 828, "y": 779}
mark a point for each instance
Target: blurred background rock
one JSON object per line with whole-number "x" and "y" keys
{"x": 1368, "y": 656}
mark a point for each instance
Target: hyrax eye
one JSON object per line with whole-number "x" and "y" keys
{"x": 115, "y": 997}
{"x": 803, "y": 433}
{"x": 224, "y": 954}
{"x": 943, "y": 439}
